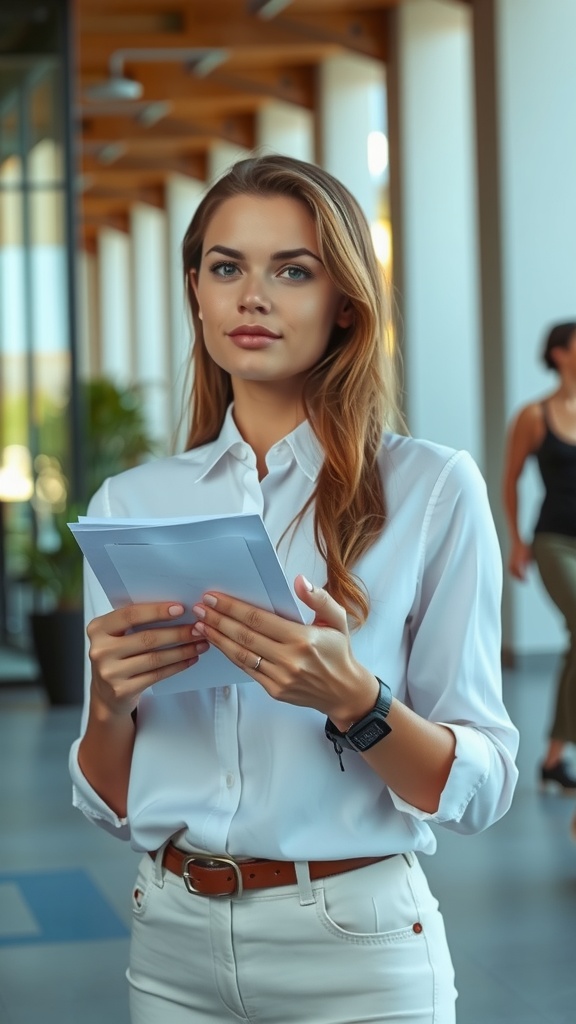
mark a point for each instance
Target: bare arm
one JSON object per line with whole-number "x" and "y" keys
{"x": 524, "y": 437}
{"x": 124, "y": 664}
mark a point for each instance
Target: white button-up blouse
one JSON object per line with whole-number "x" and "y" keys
{"x": 231, "y": 770}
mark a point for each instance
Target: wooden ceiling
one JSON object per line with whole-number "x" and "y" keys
{"x": 248, "y": 58}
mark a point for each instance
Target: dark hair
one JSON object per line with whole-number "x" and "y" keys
{"x": 559, "y": 336}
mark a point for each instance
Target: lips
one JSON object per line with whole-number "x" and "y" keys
{"x": 252, "y": 330}
{"x": 252, "y": 336}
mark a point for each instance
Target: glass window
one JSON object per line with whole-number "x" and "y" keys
{"x": 35, "y": 336}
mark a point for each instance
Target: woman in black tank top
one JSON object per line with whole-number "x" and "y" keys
{"x": 546, "y": 429}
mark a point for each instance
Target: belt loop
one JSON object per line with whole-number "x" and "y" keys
{"x": 307, "y": 896}
{"x": 158, "y": 867}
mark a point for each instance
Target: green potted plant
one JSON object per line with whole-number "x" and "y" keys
{"x": 116, "y": 438}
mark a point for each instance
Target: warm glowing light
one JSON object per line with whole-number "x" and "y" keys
{"x": 16, "y": 474}
{"x": 382, "y": 241}
{"x": 377, "y": 151}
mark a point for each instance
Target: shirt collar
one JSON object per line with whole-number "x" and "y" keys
{"x": 302, "y": 441}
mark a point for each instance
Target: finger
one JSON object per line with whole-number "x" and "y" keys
{"x": 224, "y": 613}
{"x": 257, "y": 659}
{"x": 152, "y": 639}
{"x": 132, "y": 615}
{"x": 166, "y": 658}
{"x": 327, "y": 611}
{"x": 156, "y": 675}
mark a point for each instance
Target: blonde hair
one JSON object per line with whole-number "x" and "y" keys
{"x": 350, "y": 396}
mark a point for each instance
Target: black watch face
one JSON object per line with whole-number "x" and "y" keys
{"x": 369, "y": 734}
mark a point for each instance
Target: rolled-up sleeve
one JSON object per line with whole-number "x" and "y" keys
{"x": 84, "y": 797}
{"x": 454, "y": 668}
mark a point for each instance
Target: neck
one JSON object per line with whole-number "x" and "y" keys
{"x": 264, "y": 416}
{"x": 567, "y": 390}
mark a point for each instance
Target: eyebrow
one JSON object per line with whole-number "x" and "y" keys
{"x": 284, "y": 254}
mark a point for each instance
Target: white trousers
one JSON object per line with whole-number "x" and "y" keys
{"x": 365, "y": 946}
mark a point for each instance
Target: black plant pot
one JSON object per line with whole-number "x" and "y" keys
{"x": 59, "y": 646}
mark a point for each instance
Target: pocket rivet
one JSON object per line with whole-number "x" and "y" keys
{"x": 417, "y": 927}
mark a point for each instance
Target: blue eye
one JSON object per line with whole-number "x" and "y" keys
{"x": 294, "y": 273}
{"x": 224, "y": 269}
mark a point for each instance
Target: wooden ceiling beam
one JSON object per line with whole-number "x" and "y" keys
{"x": 117, "y": 219}
{"x": 145, "y": 168}
{"x": 245, "y": 37}
{"x": 290, "y": 83}
{"x": 238, "y": 129}
{"x": 136, "y": 192}
{"x": 364, "y": 32}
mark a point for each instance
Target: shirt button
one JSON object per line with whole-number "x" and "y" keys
{"x": 229, "y": 780}
{"x": 226, "y": 692}
{"x": 243, "y": 454}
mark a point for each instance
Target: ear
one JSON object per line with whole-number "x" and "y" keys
{"x": 193, "y": 278}
{"x": 344, "y": 313}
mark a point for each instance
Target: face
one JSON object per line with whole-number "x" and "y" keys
{"x": 565, "y": 358}
{"x": 266, "y": 302}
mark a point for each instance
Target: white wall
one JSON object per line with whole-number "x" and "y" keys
{"x": 537, "y": 88}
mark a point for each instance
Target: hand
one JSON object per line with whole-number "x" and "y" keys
{"x": 519, "y": 560}
{"x": 310, "y": 666}
{"x": 125, "y": 661}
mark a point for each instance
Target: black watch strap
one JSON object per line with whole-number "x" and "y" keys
{"x": 368, "y": 731}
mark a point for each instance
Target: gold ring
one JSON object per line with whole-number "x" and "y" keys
{"x": 257, "y": 665}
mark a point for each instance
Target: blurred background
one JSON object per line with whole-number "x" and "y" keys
{"x": 454, "y": 124}
{"x": 451, "y": 121}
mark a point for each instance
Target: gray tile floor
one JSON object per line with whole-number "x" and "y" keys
{"x": 508, "y": 895}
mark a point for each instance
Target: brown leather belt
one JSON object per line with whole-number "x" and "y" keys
{"x": 211, "y": 875}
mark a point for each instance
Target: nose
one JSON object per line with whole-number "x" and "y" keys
{"x": 253, "y": 297}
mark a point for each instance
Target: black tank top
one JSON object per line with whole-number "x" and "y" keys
{"x": 557, "y": 464}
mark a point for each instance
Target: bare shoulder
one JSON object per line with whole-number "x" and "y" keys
{"x": 528, "y": 426}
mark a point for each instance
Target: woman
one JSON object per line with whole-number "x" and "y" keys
{"x": 395, "y": 681}
{"x": 547, "y": 429}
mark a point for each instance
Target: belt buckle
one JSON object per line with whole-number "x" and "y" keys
{"x": 211, "y": 862}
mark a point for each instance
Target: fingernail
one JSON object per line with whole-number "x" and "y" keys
{"x": 307, "y": 584}
{"x": 198, "y": 629}
{"x": 175, "y": 609}
{"x": 210, "y": 600}
{"x": 199, "y": 611}
{"x": 203, "y": 647}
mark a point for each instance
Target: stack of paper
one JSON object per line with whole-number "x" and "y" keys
{"x": 178, "y": 560}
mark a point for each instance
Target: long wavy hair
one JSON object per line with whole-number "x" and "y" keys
{"x": 350, "y": 396}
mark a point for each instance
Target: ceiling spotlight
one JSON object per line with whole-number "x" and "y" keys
{"x": 117, "y": 87}
{"x": 202, "y": 63}
{"x": 151, "y": 113}
{"x": 110, "y": 152}
{"x": 267, "y": 8}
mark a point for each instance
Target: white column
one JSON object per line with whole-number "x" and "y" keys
{"x": 222, "y": 156}
{"x": 351, "y": 105}
{"x": 526, "y": 83}
{"x": 182, "y": 198}
{"x": 88, "y": 314}
{"x": 286, "y": 129}
{"x": 152, "y": 363}
{"x": 434, "y": 220}
{"x": 115, "y": 294}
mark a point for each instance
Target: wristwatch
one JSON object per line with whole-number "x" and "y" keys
{"x": 369, "y": 730}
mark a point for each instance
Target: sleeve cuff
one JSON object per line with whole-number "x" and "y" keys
{"x": 468, "y": 774}
{"x": 92, "y": 806}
